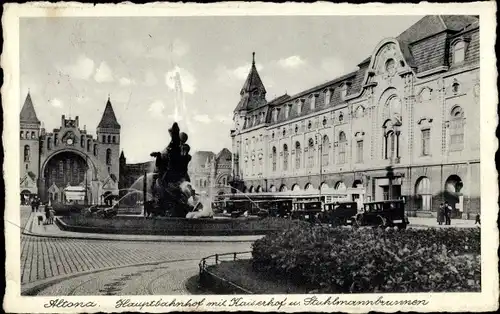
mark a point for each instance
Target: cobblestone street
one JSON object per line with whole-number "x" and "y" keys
{"x": 45, "y": 257}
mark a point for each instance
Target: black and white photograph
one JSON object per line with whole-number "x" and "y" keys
{"x": 183, "y": 159}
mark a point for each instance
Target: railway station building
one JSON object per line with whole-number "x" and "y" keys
{"x": 404, "y": 124}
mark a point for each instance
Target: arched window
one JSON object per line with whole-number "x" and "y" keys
{"x": 459, "y": 52}
{"x": 274, "y": 158}
{"x": 32, "y": 135}
{"x": 114, "y": 139}
{"x": 95, "y": 149}
{"x": 285, "y": 157}
{"x": 457, "y": 129}
{"x": 104, "y": 138}
{"x": 49, "y": 143}
{"x": 310, "y": 154}
{"x": 109, "y": 138}
{"x": 82, "y": 141}
{"x": 325, "y": 158}
{"x": 298, "y": 153}
{"x": 26, "y": 153}
{"x": 56, "y": 139}
{"x": 390, "y": 145}
{"x": 423, "y": 193}
{"x": 22, "y": 135}
{"x": 88, "y": 144}
{"x": 108, "y": 156}
{"x": 342, "y": 147}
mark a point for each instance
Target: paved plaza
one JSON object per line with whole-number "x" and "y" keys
{"x": 47, "y": 260}
{"x": 55, "y": 262}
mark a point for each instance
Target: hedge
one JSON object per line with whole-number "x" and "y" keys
{"x": 373, "y": 260}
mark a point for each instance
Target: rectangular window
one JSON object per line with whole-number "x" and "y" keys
{"x": 341, "y": 152}
{"x": 359, "y": 151}
{"x": 426, "y": 142}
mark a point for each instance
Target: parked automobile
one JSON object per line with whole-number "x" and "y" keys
{"x": 383, "y": 214}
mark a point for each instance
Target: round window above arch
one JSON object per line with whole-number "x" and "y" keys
{"x": 390, "y": 66}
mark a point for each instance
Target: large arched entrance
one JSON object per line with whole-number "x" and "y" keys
{"x": 65, "y": 169}
{"x": 453, "y": 194}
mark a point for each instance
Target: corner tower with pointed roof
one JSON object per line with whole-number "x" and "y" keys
{"x": 29, "y": 145}
{"x": 108, "y": 135}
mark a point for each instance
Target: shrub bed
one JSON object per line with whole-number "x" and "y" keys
{"x": 175, "y": 226}
{"x": 373, "y": 260}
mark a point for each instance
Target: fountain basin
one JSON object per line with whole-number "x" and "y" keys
{"x": 174, "y": 226}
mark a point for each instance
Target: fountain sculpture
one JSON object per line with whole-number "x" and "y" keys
{"x": 171, "y": 192}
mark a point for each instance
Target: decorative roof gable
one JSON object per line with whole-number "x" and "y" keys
{"x": 108, "y": 119}
{"x": 253, "y": 93}
{"x": 28, "y": 114}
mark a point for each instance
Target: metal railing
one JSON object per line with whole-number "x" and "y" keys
{"x": 216, "y": 259}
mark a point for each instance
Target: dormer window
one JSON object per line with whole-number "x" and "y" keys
{"x": 275, "y": 115}
{"x": 328, "y": 96}
{"x": 344, "y": 90}
{"x": 299, "y": 107}
{"x": 278, "y": 113}
{"x": 459, "y": 52}
{"x": 313, "y": 101}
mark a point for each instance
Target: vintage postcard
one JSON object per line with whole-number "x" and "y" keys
{"x": 250, "y": 157}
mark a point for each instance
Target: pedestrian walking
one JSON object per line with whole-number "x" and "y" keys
{"x": 447, "y": 213}
{"x": 478, "y": 219}
{"x": 440, "y": 214}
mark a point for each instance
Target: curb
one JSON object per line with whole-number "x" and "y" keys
{"x": 180, "y": 239}
{"x": 32, "y": 288}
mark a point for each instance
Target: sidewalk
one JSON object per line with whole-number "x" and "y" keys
{"x": 52, "y": 231}
{"x": 432, "y": 222}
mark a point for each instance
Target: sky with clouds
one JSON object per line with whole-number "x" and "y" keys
{"x": 71, "y": 65}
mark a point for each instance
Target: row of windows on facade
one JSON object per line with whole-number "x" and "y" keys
{"x": 203, "y": 183}
{"x": 390, "y": 149}
{"x": 456, "y": 130}
{"x": 27, "y": 154}
{"x": 260, "y": 118}
{"x": 28, "y": 135}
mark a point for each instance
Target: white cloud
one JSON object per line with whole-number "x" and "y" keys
{"x": 150, "y": 79}
{"x": 291, "y": 62}
{"x": 225, "y": 119}
{"x": 336, "y": 66}
{"x": 240, "y": 73}
{"x": 188, "y": 81}
{"x": 103, "y": 73}
{"x": 125, "y": 81}
{"x": 82, "y": 69}
{"x": 180, "y": 48}
{"x": 203, "y": 118}
{"x": 56, "y": 103}
{"x": 81, "y": 99}
{"x": 156, "y": 108}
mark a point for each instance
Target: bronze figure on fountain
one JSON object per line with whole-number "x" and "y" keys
{"x": 170, "y": 193}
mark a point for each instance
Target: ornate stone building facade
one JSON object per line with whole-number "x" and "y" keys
{"x": 407, "y": 119}
{"x": 210, "y": 173}
{"x": 68, "y": 156}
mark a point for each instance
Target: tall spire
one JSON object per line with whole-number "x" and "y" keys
{"x": 108, "y": 119}
{"x": 253, "y": 93}
{"x": 28, "y": 114}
